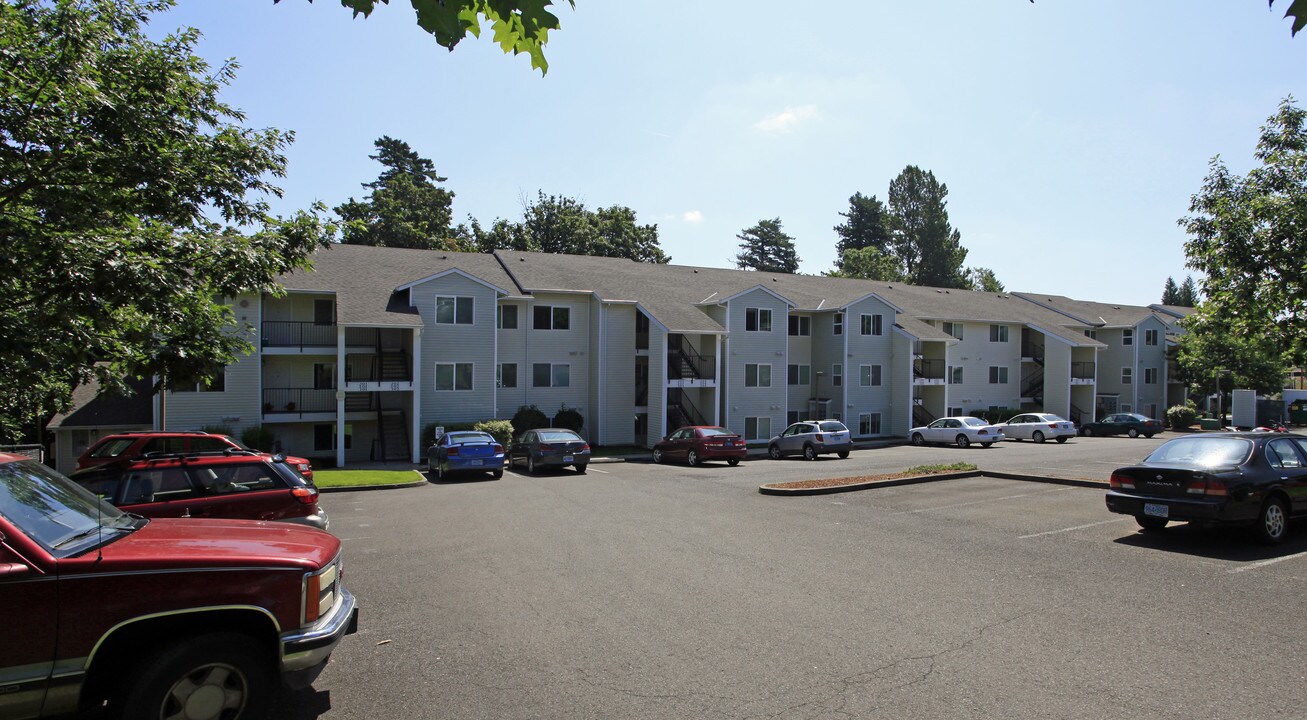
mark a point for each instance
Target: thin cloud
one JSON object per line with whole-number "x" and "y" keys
{"x": 694, "y": 216}
{"x": 786, "y": 120}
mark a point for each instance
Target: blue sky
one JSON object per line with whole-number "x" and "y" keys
{"x": 1070, "y": 135}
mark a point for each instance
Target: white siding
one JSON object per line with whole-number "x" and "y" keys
{"x": 871, "y": 351}
{"x": 238, "y": 406}
{"x": 976, "y": 354}
{"x": 452, "y": 343}
{"x": 897, "y": 420}
{"x": 1057, "y": 377}
{"x": 617, "y": 389}
{"x": 569, "y": 347}
{"x": 761, "y": 348}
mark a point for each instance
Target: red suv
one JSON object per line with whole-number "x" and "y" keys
{"x": 224, "y": 484}
{"x": 128, "y": 445}
{"x": 156, "y": 618}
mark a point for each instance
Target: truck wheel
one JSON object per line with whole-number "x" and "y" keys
{"x": 221, "y": 676}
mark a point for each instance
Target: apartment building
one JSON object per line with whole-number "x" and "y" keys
{"x": 373, "y": 344}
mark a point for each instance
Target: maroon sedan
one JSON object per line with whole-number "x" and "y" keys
{"x": 697, "y": 443}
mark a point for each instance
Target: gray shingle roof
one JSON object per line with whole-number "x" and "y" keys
{"x": 91, "y": 409}
{"x": 1096, "y": 314}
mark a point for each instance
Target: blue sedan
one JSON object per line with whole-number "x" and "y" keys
{"x": 465, "y": 452}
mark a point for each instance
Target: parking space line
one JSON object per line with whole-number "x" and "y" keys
{"x": 606, "y": 472}
{"x": 1070, "y": 529}
{"x": 1264, "y": 563}
{"x": 980, "y": 502}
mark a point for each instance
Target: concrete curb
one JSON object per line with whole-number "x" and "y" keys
{"x": 798, "y": 492}
{"x": 357, "y": 488}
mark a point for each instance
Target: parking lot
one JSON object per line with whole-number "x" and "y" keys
{"x": 646, "y": 591}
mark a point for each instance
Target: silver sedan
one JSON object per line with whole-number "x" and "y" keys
{"x": 960, "y": 431}
{"x": 1038, "y": 427}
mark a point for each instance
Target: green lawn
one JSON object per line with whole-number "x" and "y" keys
{"x": 363, "y": 478}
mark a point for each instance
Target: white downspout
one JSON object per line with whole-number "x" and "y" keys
{"x": 415, "y": 394}
{"x": 340, "y": 396}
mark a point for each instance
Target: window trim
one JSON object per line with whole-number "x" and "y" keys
{"x": 499, "y": 375}
{"x": 553, "y": 374}
{"x": 998, "y": 333}
{"x": 458, "y": 302}
{"x": 499, "y": 317}
{"x": 435, "y": 378}
{"x": 757, "y": 375}
{"x": 754, "y": 316}
{"x": 871, "y": 324}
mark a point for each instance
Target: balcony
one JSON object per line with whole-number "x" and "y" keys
{"x": 1082, "y": 373}
{"x": 298, "y": 402}
{"x": 928, "y": 372}
{"x": 298, "y": 335}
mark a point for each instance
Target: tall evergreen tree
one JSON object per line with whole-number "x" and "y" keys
{"x": 406, "y": 206}
{"x": 929, "y": 247}
{"x": 984, "y": 280}
{"x": 865, "y": 226}
{"x": 1170, "y": 292}
{"x": 767, "y": 248}
{"x": 868, "y": 263}
{"x": 1188, "y": 294}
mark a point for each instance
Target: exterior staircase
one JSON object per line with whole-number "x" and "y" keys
{"x": 392, "y": 436}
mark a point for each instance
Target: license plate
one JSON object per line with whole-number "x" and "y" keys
{"x": 567, "y": 458}
{"x": 474, "y": 463}
{"x": 1157, "y": 510}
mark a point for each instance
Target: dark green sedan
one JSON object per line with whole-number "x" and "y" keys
{"x": 1132, "y": 424}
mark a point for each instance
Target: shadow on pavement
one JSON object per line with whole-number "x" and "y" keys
{"x": 1231, "y": 544}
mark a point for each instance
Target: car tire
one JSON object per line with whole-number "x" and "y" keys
{"x": 1149, "y": 436}
{"x": 1151, "y": 524}
{"x": 774, "y": 451}
{"x": 497, "y": 474}
{"x": 733, "y": 462}
{"x": 986, "y": 445}
{"x": 809, "y": 452}
{"x": 961, "y": 441}
{"x": 191, "y": 670}
{"x": 658, "y": 456}
{"x": 918, "y": 440}
{"x": 1087, "y": 432}
{"x": 1272, "y": 521}
{"x": 1132, "y": 433}
{"x": 531, "y": 464}
{"x": 1037, "y": 437}
{"x": 1062, "y": 438}
{"x": 580, "y": 469}
{"x": 843, "y": 454}
{"x": 692, "y": 458}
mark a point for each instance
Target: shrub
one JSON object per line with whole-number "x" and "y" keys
{"x": 259, "y": 438}
{"x": 502, "y": 430}
{"x": 528, "y": 417}
{"x": 1180, "y": 417}
{"x": 569, "y": 418}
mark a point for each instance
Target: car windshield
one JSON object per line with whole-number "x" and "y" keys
{"x": 711, "y": 431}
{"x": 460, "y": 438}
{"x": 974, "y": 422}
{"x": 559, "y": 436}
{"x": 1203, "y": 452}
{"x": 831, "y": 426}
{"x": 54, "y": 511}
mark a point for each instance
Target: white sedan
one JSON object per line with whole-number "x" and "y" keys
{"x": 1038, "y": 427}
{"x": 960, "y": 431}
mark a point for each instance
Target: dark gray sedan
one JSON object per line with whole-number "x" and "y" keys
{"x": 550, "y": 447}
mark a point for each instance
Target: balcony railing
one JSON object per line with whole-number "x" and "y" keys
{"x": 1082, "y": 371}
{"x": 389, "y": 367}
{"x": 298, "y": 401}
{"x": 928, "y": 369}
{"x": 294, "y": 334}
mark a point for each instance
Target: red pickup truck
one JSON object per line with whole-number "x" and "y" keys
{"x": 156, "y": 618}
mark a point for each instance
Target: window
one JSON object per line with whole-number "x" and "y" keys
{"x": 800, "y": 375}
{"x": 997, "y": 375}
{"x": 954, "y": 329}
{"x": 324, "y": 437}
{"x": 757, "y": 428}
{"x": 1091, "y": 334}
{"x": 800, "y": 325}
{"x": 507, "y": 317}
{"x": 549, "y": 317}
{"x": 953, "y": 411}
{"x": 324, "y": 312}
{"x": 869, "y": 424}
{"x": 954, "y": 378}
{"x": 869, "y": 375}
{"x": 1127, "y": 375}
{"x": 871, "y": 324}
{"x": 757, "y": 320}
{"x": 756, "y": 375}
{"x": 215, "y": 384}
{"x": 1127, "y": 337}
{"x": 551, "y": 375}
{"x": 837, "y": 325}
{"x": 1150, "y": 376}
{"x": 837, "y": 374}
{"x": 793, "y": 416}
{"x": 998, "y": 333}
{"x": 506, "y": 375}
{"x": 324, "y": 376}
{"x": 453, "y": 376}
{"x": 452, "y": 310}
{"x": 1150, "y": 337}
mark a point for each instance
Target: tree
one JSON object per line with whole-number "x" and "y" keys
{"x": 1211, "y": 353}
{"x": 1170, "y": 292}
{"x": 1247, "y": 236}
{"x": 520, "y": 26}
{"x": 557, "y": 224}
{"x": 1188, "y": 294}
{"x": 930, "y": 249}
{"x": 983, "y": 279}
{"x": 1297, "y": 10}
{"x": 406, "y": 208}
{"x": 864, "y": 227}
{"x": 868, "y": 263}
{"x": 132, "y": 201}
{"x": 766, "y": 248}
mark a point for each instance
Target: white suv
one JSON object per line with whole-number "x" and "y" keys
{"x": 812, "y": 438}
